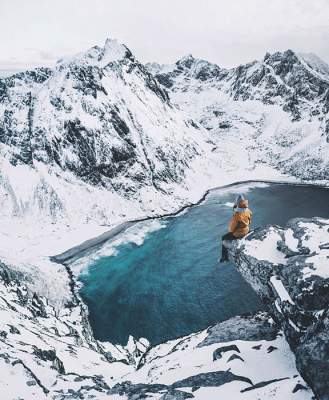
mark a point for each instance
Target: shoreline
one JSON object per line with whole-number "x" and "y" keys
{"x": 72, "y": 254}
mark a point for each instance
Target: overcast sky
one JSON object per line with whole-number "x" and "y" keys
{"x": 228, "y": 32}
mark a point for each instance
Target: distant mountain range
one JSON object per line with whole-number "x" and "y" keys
{"x": 278, "y": 107}
{"x": 102, "y": 121}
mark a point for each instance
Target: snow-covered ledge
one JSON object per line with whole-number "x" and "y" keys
{"x": 289, "y": 268}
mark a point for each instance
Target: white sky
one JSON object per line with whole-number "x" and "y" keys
{"x": 228, "y": 32}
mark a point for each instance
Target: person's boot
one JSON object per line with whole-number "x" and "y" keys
{"x": 224, "y": 257}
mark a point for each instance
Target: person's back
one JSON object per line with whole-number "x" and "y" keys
{"x": 239, "y": 224}
{"x": 241, "y": 220}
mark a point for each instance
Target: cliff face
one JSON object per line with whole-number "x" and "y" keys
{"x": 49, "y": 352}
{"x": 289, "y": 268}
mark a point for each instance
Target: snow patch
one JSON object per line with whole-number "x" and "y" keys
{"x": 318, "y": 265}
{"x": 290, "y": 240}
{"x": 265, "y": 249}
{"x": 281, "y": 290}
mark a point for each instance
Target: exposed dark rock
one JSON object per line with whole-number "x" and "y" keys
{"x": 13, "y": 330}
{"x": 235, "y": 357}
{"x": 218, "y": 352}
{"x": 301, "y": 307}
{"x": 257, "y": 347}
{"x": 262, "y": 384}
{"x": 50, "y": 355}
{"x": 176, "y": 395}
{"x": 255, "y": 327}
{"x": 298, "y": 387}
{"x": 217, "y": 378}
{"x": 38, "y": 306}
{"x": 136, "y": 391}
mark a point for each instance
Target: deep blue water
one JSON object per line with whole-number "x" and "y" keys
{"x": 172, "y": 284}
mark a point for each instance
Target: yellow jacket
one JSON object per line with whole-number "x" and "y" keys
{"x": 239, "y": 224}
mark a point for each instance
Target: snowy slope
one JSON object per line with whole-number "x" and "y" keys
{"x": 316, "y": 64}
{"x": 273, "y": 111}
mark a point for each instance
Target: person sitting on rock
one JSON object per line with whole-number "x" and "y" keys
{"x": 239, "y": 224}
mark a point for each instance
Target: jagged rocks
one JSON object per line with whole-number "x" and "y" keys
{"x": 50, "y": 355}
{"x": 43, "y": 347}
{"x": 287, "y": 91}
{"x": 217, "y": 354}
{"x": 253, "y": 327}
{"x": 289, "y": 268}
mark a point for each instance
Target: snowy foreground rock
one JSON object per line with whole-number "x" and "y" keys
{"x": 289, "y": 269}
{"x": 51, "y": 354}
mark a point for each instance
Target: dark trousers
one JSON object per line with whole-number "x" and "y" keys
{"x": 227, "y": 236}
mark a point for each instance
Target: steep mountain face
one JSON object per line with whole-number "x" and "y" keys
{"x": 277, "y": 107}
{"x": 102, "y": 117}
{"x": 316, "y": 64}
{"x": 283, "y": 78}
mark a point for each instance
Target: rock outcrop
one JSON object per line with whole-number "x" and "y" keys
{"x": 289, "y": 268}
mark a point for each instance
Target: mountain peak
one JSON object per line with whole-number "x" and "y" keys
{"x": 287, "y": 60}
{"x": 280, "y": 55}
{"x": 186, "y": 61}
{"x": 113, "y": 50}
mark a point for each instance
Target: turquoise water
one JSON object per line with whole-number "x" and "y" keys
{"x": 172, "y": 284}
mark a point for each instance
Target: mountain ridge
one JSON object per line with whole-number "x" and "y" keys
{"x": 102, "y": 119}
{"x": 290, "y": 99}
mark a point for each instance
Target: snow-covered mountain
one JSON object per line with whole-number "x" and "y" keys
{"x": 297, "y": 82}
{"x": 101, "y": 139}
{"x": 99, "y": 122}
{"x": 103, "y": 127}
{"x": 273, "y": 111}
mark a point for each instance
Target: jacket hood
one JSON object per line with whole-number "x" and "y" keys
{"x": 243, "y": 203}
{"x": 239, "y": 198}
